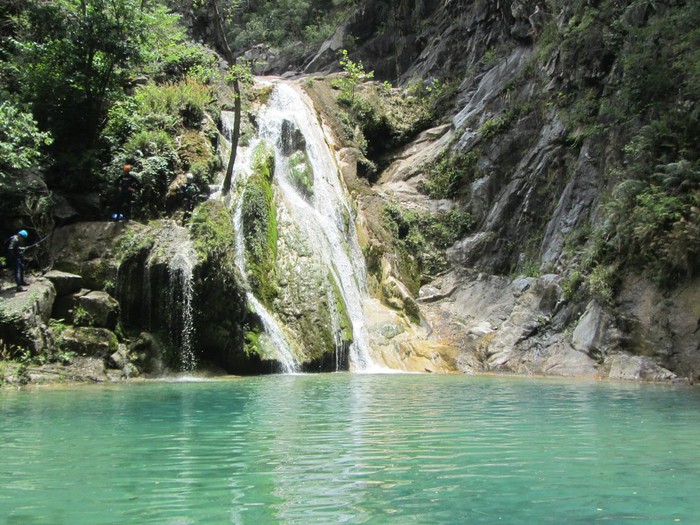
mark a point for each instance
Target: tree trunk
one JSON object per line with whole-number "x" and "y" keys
{"x": 228, "y": 55}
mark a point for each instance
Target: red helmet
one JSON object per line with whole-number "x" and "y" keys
{"x": 127, "y": 167}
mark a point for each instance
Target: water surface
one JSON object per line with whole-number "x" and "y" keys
{"x": 344, "y": 448}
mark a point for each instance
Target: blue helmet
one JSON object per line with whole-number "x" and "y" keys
{"x": 23, "y": 233}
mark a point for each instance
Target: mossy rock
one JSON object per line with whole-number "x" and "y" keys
{"x": 89, "y": 341}
{"x": 260, "y": 225}
{"x": 301, "y": 174}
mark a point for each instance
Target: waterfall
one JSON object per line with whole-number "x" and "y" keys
{"x": 320, "y": 219}
{"x": 181, "y": 268}
{"x": 327, "y": 218}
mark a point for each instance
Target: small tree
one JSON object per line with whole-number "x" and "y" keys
{"x": 354, "y": 75}
{"x": 20, "y": 142}
{"x": 235, "y": 80}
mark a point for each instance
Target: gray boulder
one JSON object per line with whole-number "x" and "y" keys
{"x": 24, "y": 316}
{"x": 65, "y": 283}
{"x": 101, "y": 309}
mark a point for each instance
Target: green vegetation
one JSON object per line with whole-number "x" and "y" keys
{"x": 260, "y": 225}
{"x": 82, "y": 317}
{"x": 450, "y": 173}
{"x": 342, "y": 311}
{"x": 651, "y": 220}
{"x": 212, "y": 230}
{"x": 89, "y": 86}
{"x": 423, "y": 237}
{"x": 134, "y": 242}
{"x": 298, "y": 26}
{"x": 627, "y": 76}
{"x": 355, "y": 75}
{"x": 20, "y": 142}
{"x": 377, "y": 118}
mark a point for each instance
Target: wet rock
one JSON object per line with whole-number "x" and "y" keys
{"x": 291, "y": 138}
{"x": 147, "y": 353}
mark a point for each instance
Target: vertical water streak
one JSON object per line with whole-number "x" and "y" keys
{"x": 180, "y": 269}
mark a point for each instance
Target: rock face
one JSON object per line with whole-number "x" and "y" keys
{"x": 24, "y": 317}
{"x": 535, "y": 190}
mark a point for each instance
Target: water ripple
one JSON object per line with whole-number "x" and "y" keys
{"x": 344, "y": 448}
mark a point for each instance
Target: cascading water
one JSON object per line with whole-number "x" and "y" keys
{"x": 325, "y": 217}
{"x": 276, "y": 338}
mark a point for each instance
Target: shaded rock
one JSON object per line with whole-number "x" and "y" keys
{"x": 291, "y": 138}
{"x": 64, "y": 283}
{"x": 328, "y": 52}
{"x": 120, "y": 358}
{"x": 64, "y": 307}
{"x": 24, "y": 316}
{"x": 89, "y": 341}
{"x": 101, "y": 308}
{"x": 660, "y": 326}
{"x": 88, "y": 249}
{"x": 590, "y": 329}
{"x": 147, "y": 353}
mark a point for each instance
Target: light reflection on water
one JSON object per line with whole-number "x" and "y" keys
{"x": 343, "y": 448}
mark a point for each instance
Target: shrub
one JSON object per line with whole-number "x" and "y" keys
{"x": 170, "y": 105}
{"x": 426, "y": 235}
{"x": 450, "y": 173}
{"x": 20, "y": 140}
{"x": 155, "y": 164}
{"x": 654, "y": 224}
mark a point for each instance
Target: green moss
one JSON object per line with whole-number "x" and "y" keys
{"x": 301, "y": 173}
{"x": 212, "y": 229}
{"x": 342, "y": 310}
{"x": 196, "y": 153}
{"x": 253, "y": 345}
{"x": 260, "y": 226}
{"x": 134, "y": 241}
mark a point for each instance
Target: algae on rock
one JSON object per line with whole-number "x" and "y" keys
{"x": 260, "y": 225}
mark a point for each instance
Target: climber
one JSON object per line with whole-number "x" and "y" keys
{"x": 190, "y": 194}
{"x": 128, "y": 184}
{"x": 15, "y": 249}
